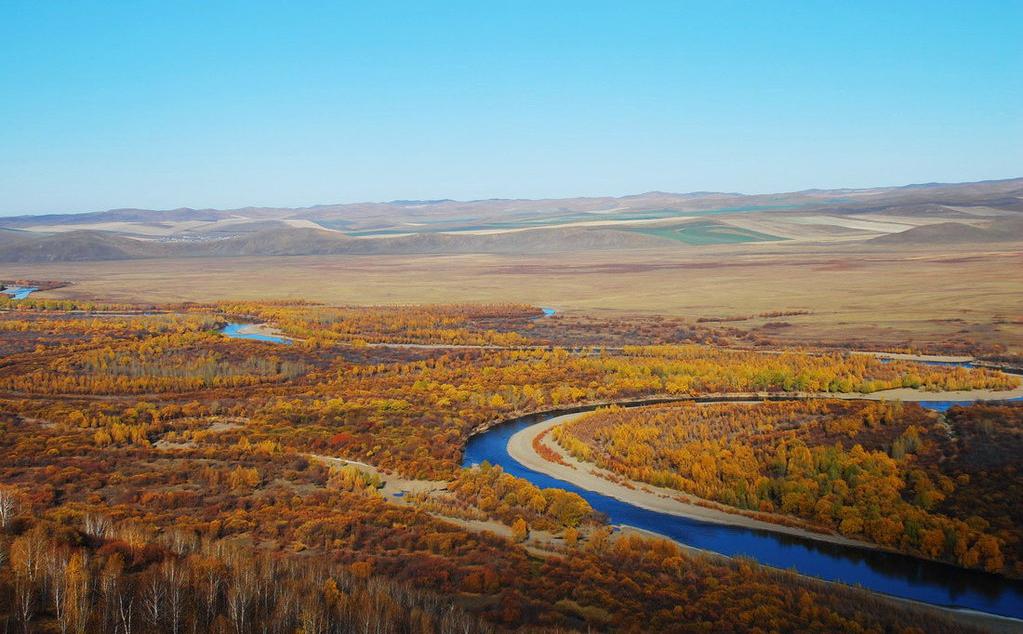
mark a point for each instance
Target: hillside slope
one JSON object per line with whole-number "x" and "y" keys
{"x": 1009, "y": 229}
{"x": 78, "y": 246}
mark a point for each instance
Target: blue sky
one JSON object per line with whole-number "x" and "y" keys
{"x": 218, "y": 104}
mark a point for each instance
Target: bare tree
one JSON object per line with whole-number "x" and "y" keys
{"x": 27, "y": 554}
{"x": 135, "y": 534}
{"x": 24, "y": 600}
{"x": 98, "y": 526}
{"x": 125, "y": 607}
{"x": 154, "y": 594}
{"x": 56, "y": 566}
{"x": 180, "y": 542}
{"x": 208, "y": 579}
{"x": 8, "y": 506}
{"x": 174, "y": 579}
{"x": 240, "y": 593}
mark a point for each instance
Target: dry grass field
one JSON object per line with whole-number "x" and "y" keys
{"x": 889, "y": 296}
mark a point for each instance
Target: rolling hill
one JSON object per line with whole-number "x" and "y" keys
{"x": 909, "y": 215}
{"x": 955, "y": 233}
{"x": 76, "y": 246}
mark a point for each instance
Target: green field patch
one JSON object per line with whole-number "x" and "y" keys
{"x": 701, "y": 233}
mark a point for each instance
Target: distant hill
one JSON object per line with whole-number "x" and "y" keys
{"x": 77, "y": 246}
{"x": 921, "y": 210}
{"x": 11, "y": 235}
{"x": 914, "y": 214}
{"x": 282, "y": 241}
{"x": 118, "y": 215}
{"x": 370, "y": 214}
{"x": 238, "y": 228}
{"x": 955, "y": 233}
{"x": 531, "y": 241}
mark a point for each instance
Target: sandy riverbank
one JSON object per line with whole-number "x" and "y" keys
{"x": 520, "y": 448}
{"x": 262, "y": 330}
{"x": 661, "y": 500}
{"x": 664, "y": 500}
{"x": 924, "y": 358}
{"x": 909, "y": 394}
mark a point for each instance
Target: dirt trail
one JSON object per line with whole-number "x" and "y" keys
{"x": 394, "y": 487}
{"x": 397, "y": 490}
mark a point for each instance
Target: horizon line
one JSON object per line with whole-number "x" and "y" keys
{"x": 399, "y": 201}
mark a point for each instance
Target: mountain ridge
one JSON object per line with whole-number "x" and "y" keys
{"x": 941, "y": 214}
{"x": 121, "y": 212}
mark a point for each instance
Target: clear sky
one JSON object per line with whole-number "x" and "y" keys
{"x": 219, "y": 104}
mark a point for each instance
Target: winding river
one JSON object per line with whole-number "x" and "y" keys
{"x": 885, "y": 572}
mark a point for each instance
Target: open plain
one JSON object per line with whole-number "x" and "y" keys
{"x": 910, "y": 297}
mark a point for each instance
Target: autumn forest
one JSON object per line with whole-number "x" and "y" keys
{"x": 159, "y": 476}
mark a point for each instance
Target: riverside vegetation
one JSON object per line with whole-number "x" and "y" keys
{"x": 894, "y": 474}
{"x": 157, "y": 476}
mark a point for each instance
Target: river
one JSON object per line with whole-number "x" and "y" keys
{"x": 889, "y": 573}
{"x": 19, "y": 292}
{"x": 243, "y": 331}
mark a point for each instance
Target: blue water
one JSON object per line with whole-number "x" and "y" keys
{"x": 232, "y": 330}
{"x": 547, "y": 312}
{"x": 19, "y": 292}
{"x": 944, "y": 406}
{"x": 889, "y": 573}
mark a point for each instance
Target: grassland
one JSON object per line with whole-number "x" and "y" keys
{"x": 702, "y": 233}
{"x": 895, "y": 297}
